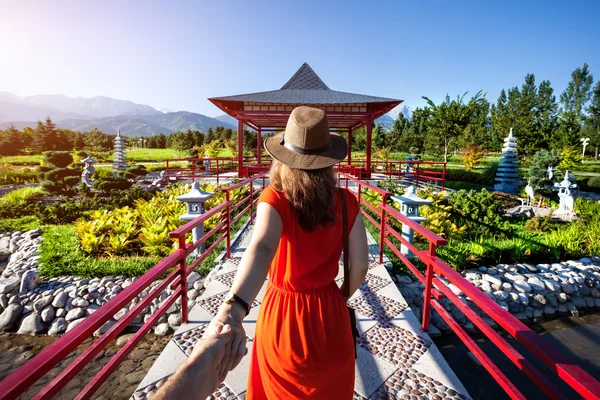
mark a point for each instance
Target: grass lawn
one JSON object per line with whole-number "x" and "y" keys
{"x": 149, "y": 155}
{"x": 22, "y": 160}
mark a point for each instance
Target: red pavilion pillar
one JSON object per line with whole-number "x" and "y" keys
{"x": 258, "y": 145}
{"x": 241, "y": 172}
{"x": 368, "y": 149}
{"x": 349, "y": 147}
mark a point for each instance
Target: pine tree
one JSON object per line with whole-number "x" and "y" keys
{"x": 592, "y": 120}
{"x": 10, "y": 142}
{"x": 44, "y": 137}
{"x": 210, "y": 136}
{"x": 161, "y": 142}
{"x": 573, "y": 101}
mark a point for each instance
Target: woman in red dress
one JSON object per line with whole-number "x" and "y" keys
{"x": 303, "y": 346}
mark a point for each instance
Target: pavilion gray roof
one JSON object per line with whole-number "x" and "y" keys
{"x": 305, "y": 87}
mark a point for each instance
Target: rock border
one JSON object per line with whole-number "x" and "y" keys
{"x": 528, "y": 291}
{"x": 31, "y": 306}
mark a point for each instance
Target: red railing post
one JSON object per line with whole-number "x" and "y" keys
{"x": 227, "y": 219}
{"x": 193, "y": 170}
{"x": 382, "y": 227}
{"x": 251, "y": 203}
{"x": 182, "y": 267}
{"x": 428, "y": 287}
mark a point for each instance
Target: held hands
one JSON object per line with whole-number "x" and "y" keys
{"x": 230, "y": 315}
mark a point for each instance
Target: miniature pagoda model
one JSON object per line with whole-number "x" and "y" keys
{"x": 508, "y": 169}
{"x": 120, "y": 159}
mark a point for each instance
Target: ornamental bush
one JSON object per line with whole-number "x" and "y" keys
{"x": 58, "y": 159}
{"x": 143, "y": 228}
{"x": 479, "y": 212}
{"x": 110, "y": 185}
{"x": 59, "y": 177}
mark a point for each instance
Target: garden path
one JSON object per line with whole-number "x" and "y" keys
{"x": 395, "y": 358}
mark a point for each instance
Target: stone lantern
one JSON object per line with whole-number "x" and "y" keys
{"x": 88, "y": 170}
{"x": 409, "y": 206}
{"x": 194, "y": 200}
{"x": 566, "y": 201}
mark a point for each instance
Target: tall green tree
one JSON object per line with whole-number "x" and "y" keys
{"x": 531, "y": 112}
{"x": 400, "y": 125}
{"x": 592, "y": 120}
{"x": 96, "y": 140}
{"x": 451, "y": 117}
{"x": 572, "y": 104}
{"x": 11, "y": 142}
{"x": 45, "y": 136}
{"x": 180, "y": 142}
{"x": 210, "y": 135}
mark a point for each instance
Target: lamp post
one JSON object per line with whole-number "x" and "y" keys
{"x": 409, "y": 206}
{"x": 584, "y": 142}
{"x": 194, "y": 200}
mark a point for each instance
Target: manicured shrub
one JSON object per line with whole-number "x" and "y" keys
{"x": 58, "y": 159}
{"x": 594, "y": 182}
{"x": 539, "y": 224}
{"x": 110, "y": 185}
{"x": 134, "y": 173}
{"x": 479, "y": 212}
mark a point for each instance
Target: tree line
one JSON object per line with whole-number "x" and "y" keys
{"x": 47, "y": 137}
{"x": 539, "y": 120}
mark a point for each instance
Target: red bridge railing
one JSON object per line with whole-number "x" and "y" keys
{"x": 408, "y": 170}
{"x": 176, "y": 270}
{"x": 435, "y": 289}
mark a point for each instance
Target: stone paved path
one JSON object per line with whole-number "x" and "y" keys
{"x": 395, "y": 358}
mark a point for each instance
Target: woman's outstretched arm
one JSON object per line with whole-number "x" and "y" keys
{"x": 358, "y": 254}
{"x": 249, "y": 279}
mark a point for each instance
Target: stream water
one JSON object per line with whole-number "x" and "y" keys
{"x": 576, "y": 337}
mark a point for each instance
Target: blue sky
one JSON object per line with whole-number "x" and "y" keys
{"x": 176, "y": 54}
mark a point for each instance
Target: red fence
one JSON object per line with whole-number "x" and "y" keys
{"x": 435, "y": 289}
{"x": 412, "y": 171}
{"x": 176, "y": 269}
{"x": 197, "y": 168}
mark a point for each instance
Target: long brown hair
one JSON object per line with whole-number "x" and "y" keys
{"x": 311, "y": 193}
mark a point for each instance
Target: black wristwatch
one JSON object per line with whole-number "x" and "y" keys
{"x": 231, "y": 298}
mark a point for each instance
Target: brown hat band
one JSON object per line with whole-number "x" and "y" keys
{"x": 300, "y": 150}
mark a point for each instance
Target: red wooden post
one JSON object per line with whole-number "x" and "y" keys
{"x": 382, "y": 228}
{"x": 251, "y": 203}
{"x": 193, "y": 170}
{"x": 227, "y": 219}
{"x": 258, "y": 146}
{"x": 349, "y": 147}
{"x": 182, "y": 267}
{"x": 428, "y": 286}
{"x": 240, "y": 147}
{"x": 368, "y": 149}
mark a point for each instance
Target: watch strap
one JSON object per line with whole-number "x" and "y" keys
{"x": 238, "y": 299}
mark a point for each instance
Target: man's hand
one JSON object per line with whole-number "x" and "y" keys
{"x": 232, "y": 315}
{"x": 199, "y": 376}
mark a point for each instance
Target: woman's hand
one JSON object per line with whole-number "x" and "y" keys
{"x": 235, "y": 350}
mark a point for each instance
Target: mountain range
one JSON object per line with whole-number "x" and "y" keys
{"x": 107, "y": 114}
{"x": 387, "y": 120}
{"x": 110, "y": 115}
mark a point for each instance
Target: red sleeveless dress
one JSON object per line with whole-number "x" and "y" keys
{"x": 303, "y": 346}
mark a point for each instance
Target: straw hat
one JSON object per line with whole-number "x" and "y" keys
{"x": 306, "y": 142}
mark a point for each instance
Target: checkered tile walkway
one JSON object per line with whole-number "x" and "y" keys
{"x": 395, "y": 358}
